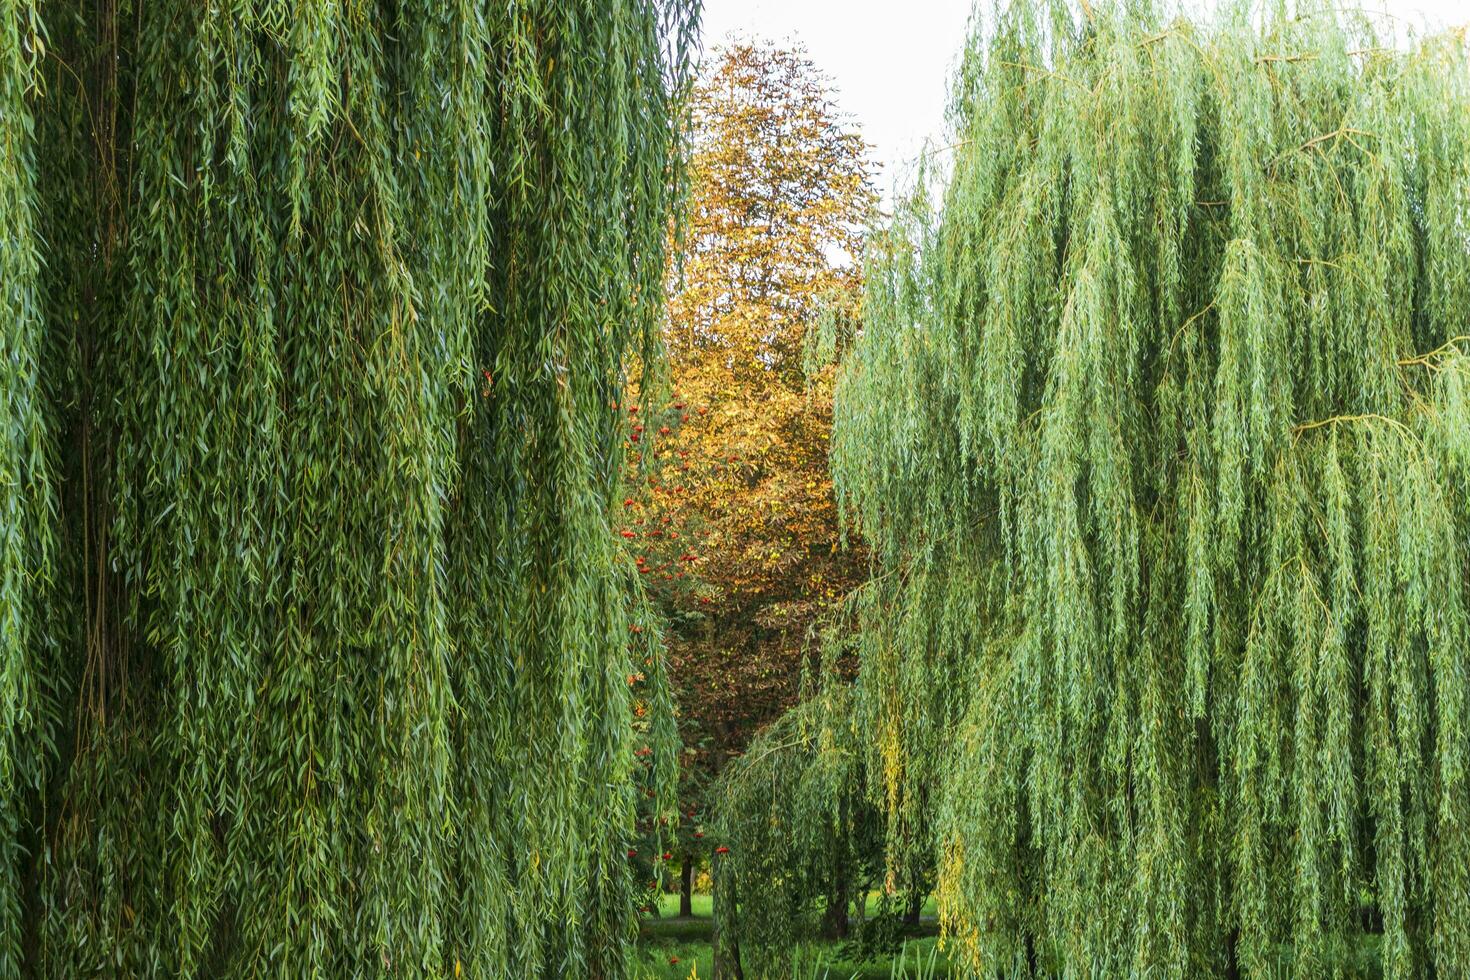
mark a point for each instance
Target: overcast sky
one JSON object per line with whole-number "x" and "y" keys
{"x": 891, "y": 59}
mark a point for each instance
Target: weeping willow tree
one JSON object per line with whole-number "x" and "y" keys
{"x": 314, "y": 632}
{"x": 798, "y": 839}
{"x": 27, "y": 499}
{"x": 1159, "y": 423}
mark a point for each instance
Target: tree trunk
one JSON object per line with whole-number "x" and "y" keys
{"x": 686, "y": 886}
{"x": 1232, "y": 962}
{"x": 911, "y": 914}
{"x": 835, "y": 925}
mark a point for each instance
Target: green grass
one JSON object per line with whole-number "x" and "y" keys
{"x": 668, "y": 905}
{"x": 919, "y": 960}
{"x": 673, "y": 948}
{"x": 687, "y": 940}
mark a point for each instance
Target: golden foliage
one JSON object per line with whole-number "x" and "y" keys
{"x": 734, "y": 518}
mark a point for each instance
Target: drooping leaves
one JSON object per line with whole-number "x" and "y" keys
{"x": 1157, "y": 424}
{"x": 317, "y": 314}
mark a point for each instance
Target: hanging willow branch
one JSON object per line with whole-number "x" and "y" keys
{"x": 311, "y": 325}
{"x": 28, "y": 641}
{"x": 1171, "y": 679}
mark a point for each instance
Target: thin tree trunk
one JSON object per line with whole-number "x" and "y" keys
{"x": 686, "y": 886}
{"x": 911, "y": 914}
{"x": 835, "y": 926}
{"x": 1232, "y": 961}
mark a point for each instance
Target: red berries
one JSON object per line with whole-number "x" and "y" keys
{"x": 722, "y": 850}
{"x": 632, "y": 853}
{"x": 626, "y": 533}
{"x": 668, "y": 855}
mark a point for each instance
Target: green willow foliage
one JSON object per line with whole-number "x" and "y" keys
{"x": 794, "y": 812}
{"x": 1159, "y": 423}
{"x": 314, "y": 634}
{"x": 27, "y": 501}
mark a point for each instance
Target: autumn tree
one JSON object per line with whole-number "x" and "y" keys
{"x": 780, "y": 196}
{"x": 733, "y": 524}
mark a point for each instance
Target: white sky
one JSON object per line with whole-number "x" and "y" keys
{"x": 891, "y": 60}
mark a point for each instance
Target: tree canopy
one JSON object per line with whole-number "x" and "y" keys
{"x": 315, "y": 633}
{"x": 1159, "y": 425}
{"x": 733, "y": 518}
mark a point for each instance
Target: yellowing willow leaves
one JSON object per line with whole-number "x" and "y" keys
{"x": 1159, "y": 424}
{"x": 314, "y": 630}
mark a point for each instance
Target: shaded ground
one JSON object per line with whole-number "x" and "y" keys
{"x": 674, "y": 947}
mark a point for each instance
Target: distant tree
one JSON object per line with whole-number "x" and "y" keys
{"x": 732, "y": 519}
{"x": 780, "y": 198}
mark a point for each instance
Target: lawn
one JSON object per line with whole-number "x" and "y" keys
{"x": 675, "y": 948}
{"x": 668, "y": 906}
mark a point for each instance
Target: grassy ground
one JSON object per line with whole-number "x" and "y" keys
{"x": 668, "y": 905}
{"x": 674, "y": 948}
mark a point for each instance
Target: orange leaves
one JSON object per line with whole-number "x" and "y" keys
{"x": 728, "y": 477}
